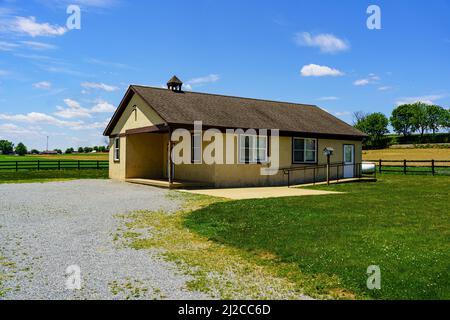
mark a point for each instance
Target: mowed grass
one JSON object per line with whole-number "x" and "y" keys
{"x": 51, "y": 175}
{"x": 407, "y": 154}
{"x": 87, "y": 156}
{"x": 401, "y": 224}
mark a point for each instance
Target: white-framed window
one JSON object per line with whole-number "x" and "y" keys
{"x": 304, "y": 150}
{"x": 253, "y": 149}
{"x": 196, "y": 148}
{"x": 117, "y": 149}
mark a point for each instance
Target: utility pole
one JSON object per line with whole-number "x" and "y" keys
{"x": 47, "y": 144}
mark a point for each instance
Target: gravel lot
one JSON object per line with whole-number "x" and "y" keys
{"x": 45, "y": 228}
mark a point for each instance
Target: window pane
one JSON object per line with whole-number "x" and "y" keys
{"x": 262, "y": 142}
{"x": 299, "y": 144}
{"x": 310, "y": 144}
{"x": 348, "y": 154}
{"x": 299, "y": 156}
{"x": 262, "y": 153}
{"x": 310, "y": 156}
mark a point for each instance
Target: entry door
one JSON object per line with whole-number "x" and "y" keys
{"x": 349, "y": 161}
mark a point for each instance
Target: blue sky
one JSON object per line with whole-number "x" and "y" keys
{"x": 66, "y": 83}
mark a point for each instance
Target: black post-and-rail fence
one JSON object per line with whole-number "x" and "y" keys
{"x": 433, "y": 167}
{"x": 38, "y": 165}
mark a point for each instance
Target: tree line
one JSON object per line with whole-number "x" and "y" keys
{"x": 8, "y": 147}
{"x": 406, "y": 120}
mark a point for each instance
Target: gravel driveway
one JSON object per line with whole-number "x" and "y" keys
{"x": 45, "y": 228}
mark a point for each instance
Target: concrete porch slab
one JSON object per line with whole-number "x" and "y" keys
{"x": 166, "y": 184}
{"x": 259, "y": 193}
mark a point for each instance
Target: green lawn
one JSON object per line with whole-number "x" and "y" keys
{"x": 401, "y": 223}
{"x": 51, "y": 175}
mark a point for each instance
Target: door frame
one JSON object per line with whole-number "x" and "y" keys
{"x": 353, "y": 160}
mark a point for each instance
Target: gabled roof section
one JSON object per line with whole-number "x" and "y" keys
{"x": 219, "y": 111}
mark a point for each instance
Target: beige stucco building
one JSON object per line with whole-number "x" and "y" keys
{"x": 141, "y": 128}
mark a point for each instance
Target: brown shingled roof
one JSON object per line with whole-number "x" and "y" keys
{"x": 183, "y": 108}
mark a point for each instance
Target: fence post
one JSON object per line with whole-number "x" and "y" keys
{"x": 380, "y": 165}
{"x": 404, "y": 166}
{"x": 59, "y": 165}
{"x": 78, "y": 164}
{"x": 98, "y": 164}
{"x": 433, "y": 168}
{"x": 39, "y": 165}
{"x": 17, "y": 166}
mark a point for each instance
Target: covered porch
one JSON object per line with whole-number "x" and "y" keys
{"x": 148, "y": 161}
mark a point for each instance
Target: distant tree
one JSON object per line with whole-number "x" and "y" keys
{"x": 102, "y": 149}
{"x": 446, "y": 121}
{"x": 376, "y": 126}
{"x": 80, "y": 150}
{"x": 69, "y": 151}
{"x": 87, "y": 149}
{"x": 6, "y": 147}
{"x": 58, "y": 151}
{"x": 403, "y": 120}
{"x": 21, "y": 150}
{"x": 96, "y": 148}
{"x": 34, "y": 151}
{"x": 436, "y": 117}
{"x": 420, "y": 121}
{"x": 358, "y": 117}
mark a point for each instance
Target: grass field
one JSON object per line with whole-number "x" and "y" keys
{"x": 88, "y": 156}
{"x": 51, "y": 175}
{"x": 400, "y": 223}
{"x": 407, "y": 154}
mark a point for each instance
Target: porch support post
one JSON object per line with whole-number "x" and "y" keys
{"x": 169, "y": 158}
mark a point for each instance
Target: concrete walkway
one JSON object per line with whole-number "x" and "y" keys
{"x": 259, "y": 193}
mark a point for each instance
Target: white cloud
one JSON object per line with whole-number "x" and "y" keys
{"x": 384, "y": 88}
{"x": 75, "y": 110}
{"x": 327, "y": 43}
{"x": 14, "y": 130}
{"x": 428, "y": 99}
{"x": 103, "y": 107}
{"x": 90, "y": 126}
{"x": 30, "y": 26}
{"x": 314, "y": 70}
{"x": 35, "y": 45}
{"x": 42, "y": 85}
{"x": 372, "y": 78}
{"x": 100, "y": 86}
{"x": 8, "y": 46}
{"x": 204, "y": 80}
{"x": 3, "y": 72}
{"x": 328, "y": 98}
{"x": 200, "y": 81}
{"x": 361, "y": 82}
{"x": 343, "y": 113}
{"x": 37, "y": 117}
